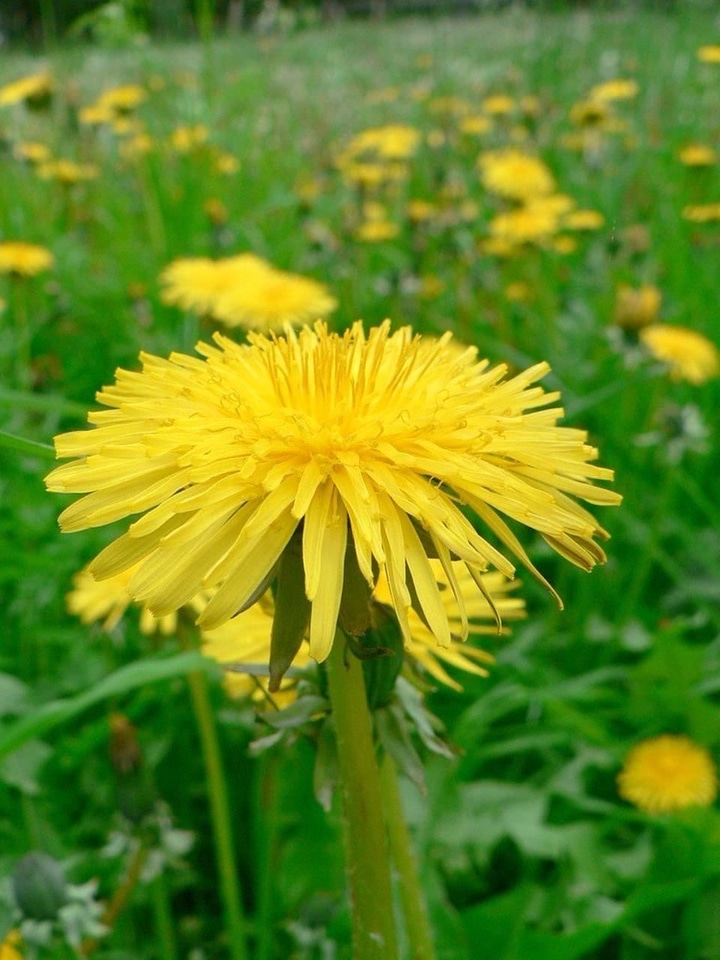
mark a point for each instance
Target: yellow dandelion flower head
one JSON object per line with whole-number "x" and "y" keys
{"x": 107, "y": 601}
{"x": 698, "y": 155}
{"x": 702, "y": 212}
{"x": 24, "y": 259}
{"x": 583, "y": 220}
{"x": 196, "y": 284}
{"x": 423, "y": 647}
{"x": 636, "y": 307}
{"x": 67, "y": 172}
{"x": 590, "y": 113}
{"x": 421, "y": 210}
{"x": 689, "y": 355}
{"x": 360, "y": 443}
{"x": 185, "y": 139}
{"x": 121, "y": 99}
{"x": 264, "y": 297}
{"x": 35, "y": 87}
{"x": 614, "y": 90}
{"x": 668, "y": 773}
{"x": 709, "y": 53}
{"x": 95, "y": 115}
{"x": 526, "y": 224}
{"x": 475, "y": 125}
{"x": 515, "y": 174}
{"x": 498, "y": 105}
{"x": 9, "y": 946}
{"x": 225, "y": 163}
{"x": 395, "y": 141}
{"x": 31, "y": 151}
{"x": 376, "y": 231}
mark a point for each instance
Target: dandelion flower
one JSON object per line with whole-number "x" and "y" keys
{"x": 244, "y": 290}
{"x": 267, "y": 298}
{"x": 94, "y": 600}
{"x": 185, "y": 139}
{"x": 9, "y": 946}
{"x": 498, "y": 105}
{"x": 31, "y": 151}
{"x": 637, "y": 307}
{"x": 24, "y": 259}
{"x": 614, "y": 90}
{"x": 515, "y": 174}
{"x": 698, "y": 155}
{"x": 710, "y": 53}
{"x": 67, "y": 171}
{"x": 702, "y": 212}
{"x": 33, "y": 89}
{"x": 668, "y": 773}
{"x": 689, "y": 355}
{"x": 325, "y": 453}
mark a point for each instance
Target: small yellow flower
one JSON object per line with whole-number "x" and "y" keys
{"x": 614, "y": 90}
{"x": 709, "y": 53}
{"x": 636, "y": 307}
{"x": 376, "y": 231}
{"x": 188, "y": 138}
{"x": 515, "y": 174}
{"x": 475, "y": 125}
{"x": 668, "y": 773}
{"x": 498, "y": 105}
{"x": 32, "y": 89}
{"x": 107, "y": 600}
{"x": 24, "y": 259}
{"x": 225, "y": 163}
{"x": 698, "y": 155}
{"x": 67, "y": 172}
{"x": 702, "y": 212}
{"x": 9, "y": 946}
{"x": 518, "y": 292}
{"x": 689, "y": 355}
{"x": 583, "y": 220}
{"x": 590, "y": 113}
{"x": 122, "y": 99}
{"x": 32, "y": 151}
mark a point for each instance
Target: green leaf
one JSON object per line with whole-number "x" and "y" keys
{"x": 127, "y": 678}
{"x": 11, "y": 442}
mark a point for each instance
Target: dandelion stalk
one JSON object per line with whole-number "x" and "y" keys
{"x": 163, "y": 919}
{"x": 366, "y": 847}
{"x": 417, "y": 922}
{"x": 221, "y": 821}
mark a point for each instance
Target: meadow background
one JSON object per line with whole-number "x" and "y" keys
{"x": 525, "y": 847}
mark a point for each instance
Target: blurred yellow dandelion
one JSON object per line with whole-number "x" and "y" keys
{"x": 698, "y": 155}
{"x": 36, "y": 87}
{"x": 636, "y": 307}
{"x": 689, "y": 355}
{"x": 614, "y": 90}
{"x": 668, "y": 773}
{"x": 24, "y": 259}
{"x": 515, "y": 174}
{"x": 333, "y": 449}
{"x": 9, "y": 946}
{"x": 710, "y": 53}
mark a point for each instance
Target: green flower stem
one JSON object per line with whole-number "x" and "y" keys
{"x": 417, "y": 922}
{"x": 221, "y": 822}
{"x": 163, "y": 919}
{"x": 366, "y": 847}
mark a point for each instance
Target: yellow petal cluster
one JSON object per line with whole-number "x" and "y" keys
{"x": 244, "y": 290}
{"x": 515, "y": 174}
{"x": 24, "y": 259}
{"x": 34, "y": 87}
{"x": 668, "y": 773}
{"x": 689, "y": 355}
{"x": 362, "y": 442}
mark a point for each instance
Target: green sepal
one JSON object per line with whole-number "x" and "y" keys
{"x": 382, "y": 655}
{"x": 292, "y": 613}
{"x": 354, "y": 613}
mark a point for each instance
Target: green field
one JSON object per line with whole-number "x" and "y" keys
{"x": 215, "y": 844}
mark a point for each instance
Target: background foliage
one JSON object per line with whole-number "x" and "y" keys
{"x": 524, "y": 844}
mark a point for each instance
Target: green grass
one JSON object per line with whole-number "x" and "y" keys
{"x": 524, "y": 845}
